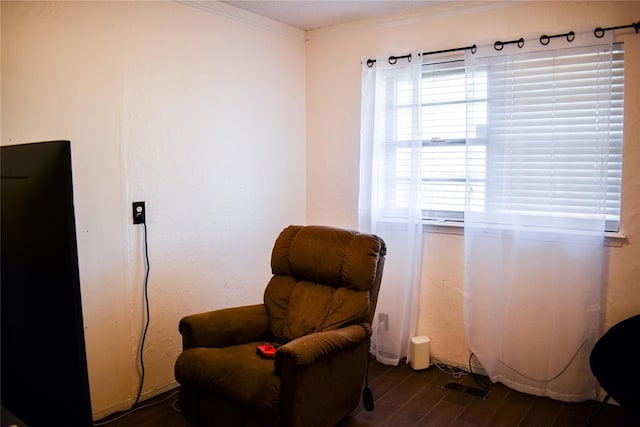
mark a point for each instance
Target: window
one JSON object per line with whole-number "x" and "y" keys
{"x": 444, "y": 106}
{"x": 444, "y": 126}
{"x": 541, "y": 111}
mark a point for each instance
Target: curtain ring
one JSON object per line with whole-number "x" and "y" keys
{"x": 599, "y": 32}
{"x": 571, "y": 36}
{"x": 520, "y": 42}
{"x": 409, "y": 58}
{"x": 370, "y": 63}
{"x": 544, "y": 40}
{"x": 474, "y": 49}
{"x": 498, "y": 45}
{"x": 393, "y": 60}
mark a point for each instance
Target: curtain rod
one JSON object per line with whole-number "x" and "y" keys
{"x": 393, "y": 59}
{"x": 545, "y": 39}
{"x": 599, "y": 31}
{"x": 499, "y": 45}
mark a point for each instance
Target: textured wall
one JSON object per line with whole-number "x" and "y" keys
{"x": 201, "y": 116}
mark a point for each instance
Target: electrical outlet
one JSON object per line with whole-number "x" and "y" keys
{"x": 139, "y": 212}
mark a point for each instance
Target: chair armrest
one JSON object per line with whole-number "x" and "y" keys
{"x": 321, "y": 376}
{"x": 221, "y": 328}
{"x": 307, "y": 350}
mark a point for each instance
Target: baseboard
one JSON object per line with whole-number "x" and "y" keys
{"x": 126, "y": 405}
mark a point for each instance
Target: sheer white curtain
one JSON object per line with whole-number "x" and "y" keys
{"x": 389, "y": 197}
{"x": 534, "y": 226}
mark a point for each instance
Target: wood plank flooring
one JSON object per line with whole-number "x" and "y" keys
{"x": 405, "y": 398}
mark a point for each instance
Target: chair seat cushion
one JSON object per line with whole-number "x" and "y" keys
{"x": 236, "y": 373}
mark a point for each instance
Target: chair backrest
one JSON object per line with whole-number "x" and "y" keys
{"x": 324, "y": 278}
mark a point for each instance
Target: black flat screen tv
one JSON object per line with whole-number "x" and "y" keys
{"x": 44, "y": 368}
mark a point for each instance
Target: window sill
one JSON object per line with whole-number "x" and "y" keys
{"x": 615, "y": 239}
{"x": 443, "y": 227}
{"x": 615, "y": 235}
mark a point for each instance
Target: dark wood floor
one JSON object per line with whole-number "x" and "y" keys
{"x": 405, "y": 397}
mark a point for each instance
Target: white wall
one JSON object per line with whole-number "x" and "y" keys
{"x": 199, "y": 114}
{"x": 333, "y": 111}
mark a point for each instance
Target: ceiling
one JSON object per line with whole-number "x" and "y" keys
{"x": 312, "y": 14}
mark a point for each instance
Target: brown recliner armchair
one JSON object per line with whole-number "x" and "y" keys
{"x": 318, "y": 306}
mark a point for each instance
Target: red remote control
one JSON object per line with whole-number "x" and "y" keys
{"x": 266, "y": 351}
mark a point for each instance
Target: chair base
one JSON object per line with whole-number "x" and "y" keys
{"x": 207, "y": 410}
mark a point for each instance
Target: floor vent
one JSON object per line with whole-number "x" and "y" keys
{"x": 471, "y": 391}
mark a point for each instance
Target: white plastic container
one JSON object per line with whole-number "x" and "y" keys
{"x": 419, "y": 352}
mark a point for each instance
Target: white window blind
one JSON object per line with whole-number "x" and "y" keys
{"x": 537, "y": 134}
{"x": 443, "y": 106}
{"x": 553, "y": 135}
{"x": 444, "y": 119}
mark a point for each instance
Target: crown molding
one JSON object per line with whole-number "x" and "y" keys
{"x": 228, "y": 11}
{"x": 441, "y": 10}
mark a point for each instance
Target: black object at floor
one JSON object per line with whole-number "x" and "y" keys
{"x": 614, "y": 350}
